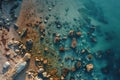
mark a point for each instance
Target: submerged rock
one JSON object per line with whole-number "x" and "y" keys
{"x": 61, "y": 49}
{"x": 71, "y": 33}
{"x": 56, "y": 39}
{"x": 74, "y": 43}
{"x": 65, "y": 71}
{"x": 53, "y": 72}
{"x": 78, "y": 64}
{"x": 16, "y": 26}
{"x": 89, "y": 67}
{"x": 29, "y": 44}
{"x": 78, "y": 33}
{"x": 105, "y": 70}
{"x": 73, "y": 69}
{"x": 89, "y": 57}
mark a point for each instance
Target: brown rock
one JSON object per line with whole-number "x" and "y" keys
{"x": 51, "y": 78}
{"x": 45, "y": 61}
{"x": 23, "y": 47}
{"x": 41, "y": 59}
{"x": 65, "y": 71}
{"x": 73, "y": 69}
{"x": 17, "y": 51}
{"x": 61, "y": 49}
{"x": 71, "y": 33}
{"x": 89, "y": 67}
{"x": 53, "y": 71}
{"x": 89, "y": 56}
{"x": 78, "y": 33}
{"x": 36, "y": 59}
{"x": 56, "y": 39}
{"x": 78, "y": 64}
{"x": 46, "y": 49}
{"x": 27, "y": 56}
{"x": 56, "y": 78}
{"x": 42, "y": 27}
{"x": 74, "y": 43}
{"x": 62, "y": 78}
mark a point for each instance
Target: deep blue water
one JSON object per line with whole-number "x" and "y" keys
{"x": 112, "y": 13}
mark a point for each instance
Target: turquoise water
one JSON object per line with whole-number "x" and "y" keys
{"x": 111, "y": 12}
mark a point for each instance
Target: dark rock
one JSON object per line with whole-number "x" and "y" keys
{"x": 15, "y": 5}
{"x": 58, "y": 24}
{"x": 71, "y": 33}
{"x": 99, "y": 54}
{"x": 1, "y": 4}
{"x": 65, "y": 71}
{"x": 77, "y": 64}
{"x": 93, "y": 40}
{"x": 24, "y": 33}
{"x": 47, "y": 18}
{"x": 105, "y": 70}
{"x": 88, "y": 20}
{"x": 67, "y": 9}
{"x": 16, "y": 26}
{"x": 92, "y": 28}
{"x": 29, "y": 44}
